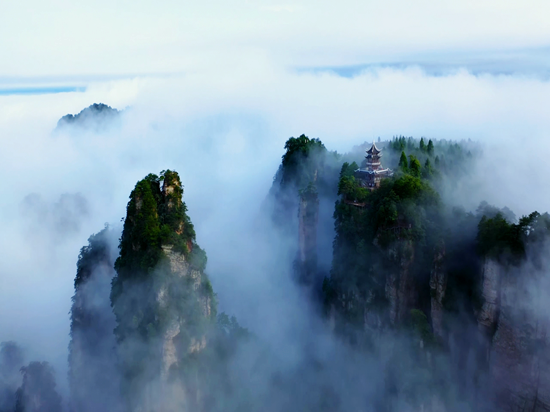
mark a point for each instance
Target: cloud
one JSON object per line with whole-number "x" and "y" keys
{"x": 223, "y": 129}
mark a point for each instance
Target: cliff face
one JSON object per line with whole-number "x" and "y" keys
{"x": 520, "y": 356}
{"x": 438, "y": 287}
{"x": 488, "y": 315}
{"x": 383, "y": 296}
{"x": 91, "y": 350}
{"x": 181, "y": 272}
{"x": 308, "y": 217}
{"x": 400, "y": 286}
{"x": 162, "y": 299}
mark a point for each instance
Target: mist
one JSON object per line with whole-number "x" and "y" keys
{"x": 224, "y": 130}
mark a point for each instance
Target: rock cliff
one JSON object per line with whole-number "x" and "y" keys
{"x": 519, "y": 357}
{"x": 438, "y": 287}
{"x": 92, "y": 348}
{"x": 162, "y": 299}
{"x": 308, "y": 217}
{"x": 488, "y": 315}
{"x": 400, "y": 286}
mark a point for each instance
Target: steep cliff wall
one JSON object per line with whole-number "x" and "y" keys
{"x": 308, "y": 218}
{"x": 520, "y": 355}
{"x": 438, "y": 287}
{"x": 514, "y": 328}
{"x": 400, "y": 286}
{"x": 162, "y": 299}
{"x": 92, "y": 354}
{"x": 488, "y": 315}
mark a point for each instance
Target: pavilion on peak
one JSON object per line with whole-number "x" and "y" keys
{"x": 371, "y": 175}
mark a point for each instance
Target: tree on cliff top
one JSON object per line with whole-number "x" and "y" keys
{"x": 156, "y": 217}
{"x": 305, "y": 161}
{"x": 499, "y": 238}
{"x": 302, "y": 161}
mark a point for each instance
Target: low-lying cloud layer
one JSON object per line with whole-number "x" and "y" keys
{"x": 224, "y": 131}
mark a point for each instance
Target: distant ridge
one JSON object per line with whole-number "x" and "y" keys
{"x": 96, "y": 117}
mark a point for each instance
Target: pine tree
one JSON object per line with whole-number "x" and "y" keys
{"x": 430, "y": 148}
{"x": 415, "y": 168}
{"x": 403, "y": 163}
{"x": 427, "y": 171}
{"x": 422, "y": 145}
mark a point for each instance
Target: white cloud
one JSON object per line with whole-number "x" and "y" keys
{"x": 223, "y": 123}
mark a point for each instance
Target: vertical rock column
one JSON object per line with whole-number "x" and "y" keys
{"x": 308, "y": 217}
{"x": 400, "y": 288}
{"x": 520, "y": 356}
{"x": 162, "y": 299}
{"x": 488, "y": 315}
{"x": 438, "y": 286}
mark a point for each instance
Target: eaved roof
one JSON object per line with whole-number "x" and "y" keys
{"x": 373, "y": 150}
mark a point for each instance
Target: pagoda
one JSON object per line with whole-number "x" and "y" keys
{"x": 372, "y": 173}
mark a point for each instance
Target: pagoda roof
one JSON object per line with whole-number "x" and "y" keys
{"x": 373, "y": 150}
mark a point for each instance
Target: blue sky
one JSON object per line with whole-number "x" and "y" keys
{"x": 6, "y": 91}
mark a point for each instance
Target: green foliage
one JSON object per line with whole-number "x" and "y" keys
{"x": 351, "y": 191}
{"x": 402, "y": 209}
{"x": 348, "y": 169}
{"x": 309, "y": 192}
{"x": 96, "y": 252}
{"x": 197, "y": 258}
{"x": 387, "y": 213}
{"x": 403, "y": 162}
{"x": 407, "y": 187}
{"x": 302, "y": 144}
{"x": 349, "y": 187}
{"x": 427, "y": 171}
{"x": 422, "y": 146}
{"x": 415, "y": 168}
{"x": 497, "y": 237}
{"x": 430, "y": 148}
{"x": 306, "y": 164}
{"x": 299, "y": 161}
{"x": 154, "y": 218}
{"x": 449, "y": 161}
{"x": 140, "y": 242}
